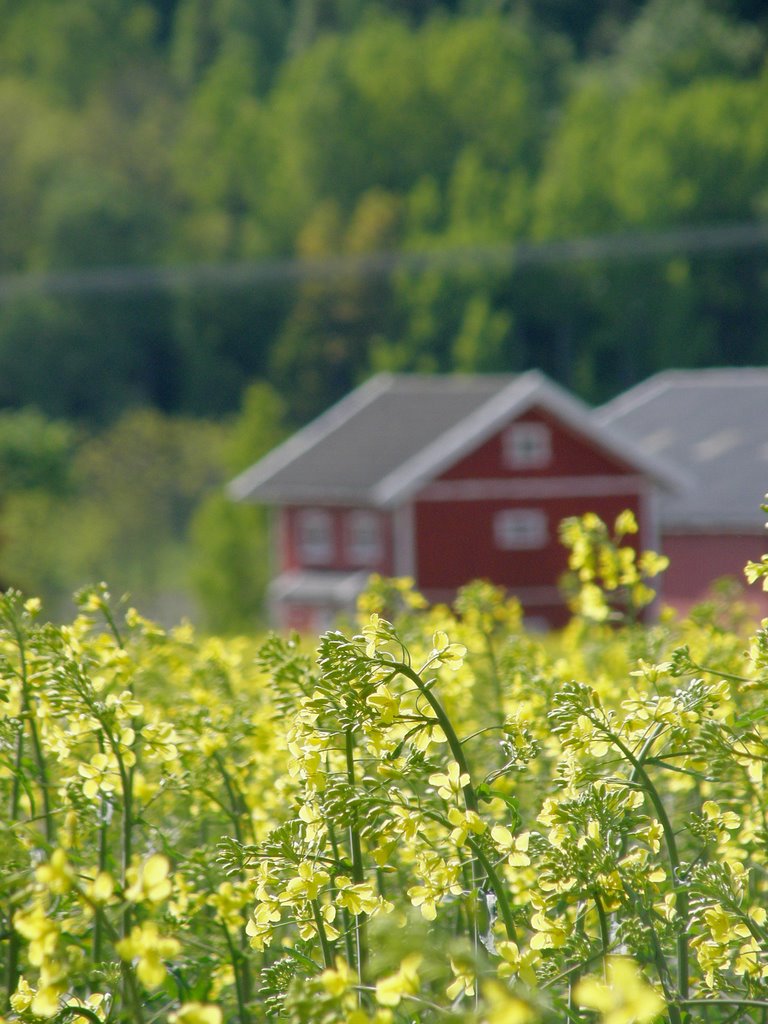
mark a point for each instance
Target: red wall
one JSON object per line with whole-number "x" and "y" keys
{"x": 571, "y": 456}
{"x": 288, "y": 546}
{"x": 456, "y": 542}
{"x": 697, "y": 560}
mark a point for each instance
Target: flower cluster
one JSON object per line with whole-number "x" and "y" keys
{"x": 440, "y": 817}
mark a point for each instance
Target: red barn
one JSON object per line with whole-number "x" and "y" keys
{"x": 712, "y": 425}
{"x": 444, "y": 479}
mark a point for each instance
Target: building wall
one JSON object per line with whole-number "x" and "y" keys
{"x": 460, "y": 518}
{"x": 571, "y": 456}
{"x": 457, "y": 542}
{"x": 697, "y": 560}
{"x": 291, "y": 556}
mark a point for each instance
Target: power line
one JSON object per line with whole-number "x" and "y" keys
{"x": 233, "y": 276}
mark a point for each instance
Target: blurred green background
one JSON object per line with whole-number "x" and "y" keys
{"x": 198, "y": 133}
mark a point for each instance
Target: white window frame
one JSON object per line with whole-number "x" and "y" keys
{"x": 314, "y": 536}
{"x": 520, "y": 529}
{"x": 363, "y": 543}
{"x": 527, "y": 445}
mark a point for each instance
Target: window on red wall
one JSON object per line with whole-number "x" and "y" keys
{"x": 362, "y": 538}
{"x": 520, "y": 529}
{"x": 314, "y": 536}
{"x": 527, "y": 446}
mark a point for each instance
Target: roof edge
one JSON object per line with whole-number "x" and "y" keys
{"x": 710, "y": 376}
{"x": 242, "y": 487}
{"x": 524, "y": 391}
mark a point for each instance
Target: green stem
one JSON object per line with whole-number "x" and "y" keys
{"x": 346, "y": 916}
{"x": 131, "y": 990}
{"x": 78, "y": 1011}
{"x": 604, "y": 935}
{"x": 235, "y": 803}
{"x": 723, "y": 1001}
{"x": 358, "y": 871}
{"x": 681, "y": 900}
{"x": 98, "y": 925}
{"x": 235, "y": 960}
{"x": 470, "y": 796}
{"x": 498, "y": 890}
{"x": 29, "y": 714}
{"x": 498, "y": 695}
{"x": 12, "y": 962}
{"x": 110, "y": 620}
{"x": 324, "y": 943}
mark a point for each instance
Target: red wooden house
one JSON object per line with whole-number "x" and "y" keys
{"x": 444, "y": 479}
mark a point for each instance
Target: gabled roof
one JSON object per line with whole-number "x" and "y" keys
{"x": 388, "y": 438}
{"x": 713, "y": 425}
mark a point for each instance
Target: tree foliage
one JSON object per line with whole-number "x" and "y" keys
{"x": 183, "y": 131}
{"x": 137, "y": 136}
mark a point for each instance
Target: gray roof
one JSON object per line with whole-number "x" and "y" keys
{"x": 712, "y": 425}
{"x": 396, "y": 432}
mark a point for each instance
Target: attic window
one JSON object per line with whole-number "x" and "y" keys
{"x": 520, "y": 529}
{"x": 527, "y": 446}
{"x": 315, "y": 537}
{"x": 363, "y": 538}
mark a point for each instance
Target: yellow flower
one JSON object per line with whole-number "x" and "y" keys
{"x": 515, "y": 847}
{"x": 549, "y": 934}
{"x": 625, "y": 523}
{"x": 465, "y": 822}
{"x": 385, "y": 702}
{"x": 47, "y": 1000}
{"x": 464, "y": 983}
{"x": 390, "y": 990}
{"x": 150, "y": 882}
{"x": 625, "y": 998}
{"x": 377, "y": 633}
{"x": 101, "y": 775}
{"x": 515, "y": 963}
{"x": 446, "y": 653}
{"x": 359, "y": 898}
{"x": 196, "y": 1013}
{"x": 441, "y": 879}
{"x": 124, "y": 705}
{"x": 228, "y": 902}
{"x": 57, "y": 875}
{"x": 505, "y": 1008}
{"x": 160, "y": 739}
{"x": 21, "y": 999}
{"x": 723, "y": 926}
{"x": 449, "y": 786}
{"x": 306, "y": 885}
{"x": 259, "y": 925}
{"x": 149, "y": 949}
{"x": 98, "y": 1002}
{"x": 337, "y": 982}
{"x": 41, "y": 932}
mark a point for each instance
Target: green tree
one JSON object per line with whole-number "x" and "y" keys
{"x": 133, "y": 488}
{"x": 232, "y": 560}
{"x": 324, "y": 349}
{"x": 71, "y": 47}
{"x": 655, "y": 154}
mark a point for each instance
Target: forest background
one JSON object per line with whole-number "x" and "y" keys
{"x": 263, "y": 150}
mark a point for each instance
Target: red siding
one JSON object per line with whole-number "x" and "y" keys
{"x": 289, "y": 549}
{"x": 697, "y": 560}
{"x": 455, "y": 541}
{"x": 572, "y": 455}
